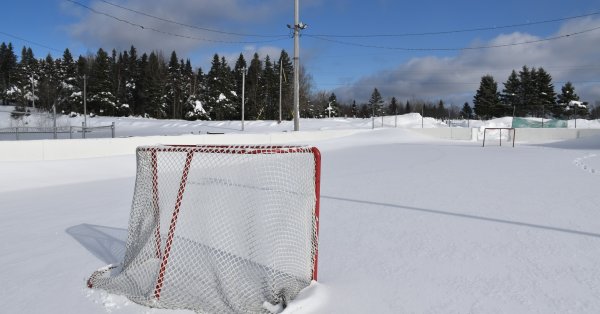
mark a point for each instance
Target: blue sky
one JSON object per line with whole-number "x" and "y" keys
{"x": 418, "y": 66}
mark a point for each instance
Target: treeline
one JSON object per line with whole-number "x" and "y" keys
{"x": 529, "y": 92}
{"x": 377, "y": 106}
{"x": 124, "y": 83}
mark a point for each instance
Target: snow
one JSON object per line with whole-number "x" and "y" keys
{"x": 579, "y": 104}
{"x": 13, "y": 90}
{"x": 198, "y": 107}
{"x": 409, "y": 224}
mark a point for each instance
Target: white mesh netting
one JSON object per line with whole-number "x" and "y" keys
{"x": 219, "y": 229}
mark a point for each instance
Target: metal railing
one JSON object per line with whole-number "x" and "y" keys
{"x": 22, "y": 133}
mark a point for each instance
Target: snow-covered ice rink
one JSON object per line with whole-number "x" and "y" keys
{"x": 409, "y": 224}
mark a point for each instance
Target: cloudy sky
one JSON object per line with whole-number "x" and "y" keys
{"x": 425, "y": 49}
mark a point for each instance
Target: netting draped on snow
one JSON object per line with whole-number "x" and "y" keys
{"x": 219, "y": 229}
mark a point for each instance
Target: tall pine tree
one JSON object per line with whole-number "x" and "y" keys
{"x": 254, "y": 89}
{"x": 376, "y": 103}
{"x": 285, "y": 69}
{"x": 545, "y": 91}
{"x": 270, "y": 93}
{"x": 487, "y": 99}
{"x": 100, "y": 98}
{"x": 511, "y": 96}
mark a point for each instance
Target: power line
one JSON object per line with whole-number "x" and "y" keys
{"x": 574, "y": 67}
{"x": 476, "y": 29}
{"x": 453, "y": 49}
{"x": 188, "y": 25}
{"x": 167, "y": 32}
{"x": 31, "y": 42}
{"x": 426, "y": 83}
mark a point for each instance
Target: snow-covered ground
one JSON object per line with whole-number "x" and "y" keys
{"x": 409, "y": 224}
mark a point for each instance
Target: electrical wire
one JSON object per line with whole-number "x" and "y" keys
{"x": 167, "y": 32}
{"x": 453, "y": 49}
{"x": 29, "y": 41}
{"x": 188, "y": 25}
{"x": 466, "y": 30}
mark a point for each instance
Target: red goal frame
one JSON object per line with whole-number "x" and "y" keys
{"x": 217, "y": 149}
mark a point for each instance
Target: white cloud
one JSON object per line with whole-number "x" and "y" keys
{"x": 97, "y": 30}
{"x": 455, "y": 79}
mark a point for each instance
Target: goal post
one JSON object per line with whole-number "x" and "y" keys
{"x": 514, "y": 133}
{"x": 219, "y": 228}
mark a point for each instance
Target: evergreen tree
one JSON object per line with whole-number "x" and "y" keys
{"x": 487, "y": 99}
{"x": 29, "y": 75}
{"x": 120, "y": 80}
{"x": 545, "y": 90}
{"x": 220, "y": 90}
{"x": 364, "y": 111}
{"x": 70, "y": 98}
{"x": 189, "y": 88}
{"x": 8, "y": 72}
{"x": 408, "y": 108}
{"x": 376, "y": 102}
{"x": 287, "y": 88}
{"x": 121, "y": 83}
{"x": 333, "y": 104}
{"x": 49, "y": 89}
{"x": 132, "y": 78}
{"x": 197, "y": 111}
{"x": 270, "y": 83}
{"x": 25, "y": 73}
{"x": 173, "y": 88}
{"x": 239, "y": 71}
{"x": 228, "y": 104}
{"x": 307, "y": 109}
{"x": 567, "y": 94}
{"x": 117, "y": 82}
{"x": 354, "y": 109}
{"x": 153, "y": 87}
{"x": 100, "y": 98}
{"x": 595, "y": 112}
{"x": 83, "y": 66}
{"x": 564, "y": 101}
{"x": 440, "y": 111}
{"x": 466, "y": 112}
{"x": 543, "y": 96}
{"x": 141, "y": 89}
{"x": 393, "y": 107}
{"x": 528, "y": 91}
{"x": 254, "y": 106}
{"x": 511, "y": 96}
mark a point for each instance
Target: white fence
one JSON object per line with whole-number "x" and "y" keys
{"x": 522, "y": 134}
{"x": 79, "y": 148}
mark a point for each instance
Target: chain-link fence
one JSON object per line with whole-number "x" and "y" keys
{"x": 20, "y": 133}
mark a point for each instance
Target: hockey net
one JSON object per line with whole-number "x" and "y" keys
{"x": 219, "y": 229}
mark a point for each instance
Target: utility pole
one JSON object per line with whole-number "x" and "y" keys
{"x": 280, "y": 88}
{"x": 54, "y": 119}
{"x": 84, "y": 102}
{"x": 33, "y": 90}
{"x": 373, "y": 117}
{"x": 243, "y": 94}
{"x": 298, "y": 26}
